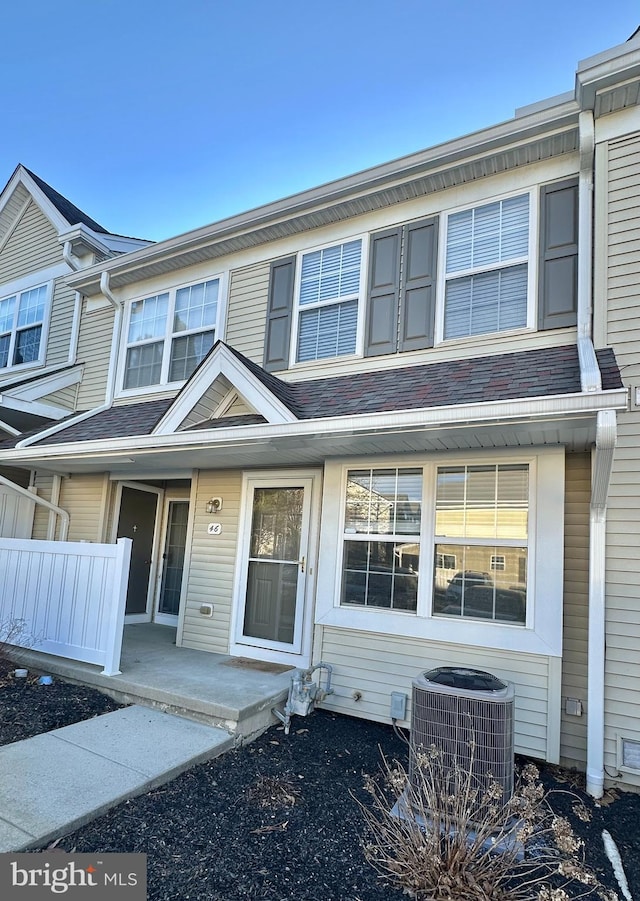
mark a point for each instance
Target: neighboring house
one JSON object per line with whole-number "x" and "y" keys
{"x": 375, "y": 423}
{"x": 43, "y": 238}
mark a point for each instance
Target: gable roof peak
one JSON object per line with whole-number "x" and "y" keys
{"x": 68, "y": 210}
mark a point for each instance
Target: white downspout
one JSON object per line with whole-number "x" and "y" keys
{"x": 115, "y": 342}
{"x": 602, "y": 462}
{"x": 64, "y": 516}
{"x": 117, "y": 327}
{"x": 589, "y": 370}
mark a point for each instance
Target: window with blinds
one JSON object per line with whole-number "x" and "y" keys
{"x": 329, "y": 301}
{"x": 486, "y": 268}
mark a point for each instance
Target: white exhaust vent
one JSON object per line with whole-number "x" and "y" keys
{"x": 455, "y": 706}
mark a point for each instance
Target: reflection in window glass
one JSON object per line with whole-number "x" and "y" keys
{"x": 381, "y": 574}
{"x": 479, "y": 591}
{"x": 379, "y": 570}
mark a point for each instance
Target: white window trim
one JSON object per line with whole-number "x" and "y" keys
{"x": 171, "y": 290}
{"x": 364, "y": 268}
{"x": 43, "y": 279}
{"x": 531, "y": 260}
{"x": 542, "y": 633}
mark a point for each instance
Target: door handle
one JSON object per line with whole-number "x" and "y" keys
{"x": 301, "y": 563}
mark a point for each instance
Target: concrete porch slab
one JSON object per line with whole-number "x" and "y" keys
{"x": 196, "y": 684}
{"x": 54, "y": 783}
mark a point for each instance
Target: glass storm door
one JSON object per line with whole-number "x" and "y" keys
{"x": 173, "y": 561}
{"x": 276, "y": 565}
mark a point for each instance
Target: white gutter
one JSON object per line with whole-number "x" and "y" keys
{"x": 453, "y": 416}
{"x": 601, "y": 465}
{"x": 24, "y": 492}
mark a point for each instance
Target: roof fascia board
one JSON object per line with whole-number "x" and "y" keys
{"x": 223, "y": 362}
{"x": 30, "y": 377}
{"x": 442, "y": 156}
{"x": 614, "y": 66}
{"x": 55, "y": 381}
{"x": 556, "y": 407}
{"x": 53, "y": 215}
{"x": 48, "y": 411}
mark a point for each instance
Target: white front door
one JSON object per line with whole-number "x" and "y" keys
{"x": 276, "y": 574}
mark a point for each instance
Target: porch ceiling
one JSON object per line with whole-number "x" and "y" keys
{"x": 576, "y": 432}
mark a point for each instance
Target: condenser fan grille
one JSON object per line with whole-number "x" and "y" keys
{"x": 472, "y": 729}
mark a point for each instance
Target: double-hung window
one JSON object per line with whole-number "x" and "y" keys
{"x": 482, "y": 515}
{"x": 22, "y": 318}
{"x": 487, "y": 268}
{"x": 168, "y": 334}
{"x": 328, "y": 301}
{"x": 381, "y": 559}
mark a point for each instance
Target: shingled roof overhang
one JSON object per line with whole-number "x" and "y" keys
{"x": 528, "y": 138}
{"x": 409, "y": 410}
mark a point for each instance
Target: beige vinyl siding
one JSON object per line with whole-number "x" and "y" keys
{"x": 65, "y": 397}
{"x": 32, "y": 245}
{"x": 61, "y": 324}
{"x": 94, "y": 347}
{"x": 82, "y": 497}
{"x": 371, "y": 666}
{"x": 43, "y": 484}
{"x": 212, "y": 563}
{"x": 238, "y": 408}
{"x": 573, "y": 731}
{"x": 208, "y": 403}
{"x": 247, "y": 313}
{"x": 11, "y": 211}
{"x": 620, "y": 218}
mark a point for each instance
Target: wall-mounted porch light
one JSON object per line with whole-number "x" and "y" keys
{"x": 214, "y": 505}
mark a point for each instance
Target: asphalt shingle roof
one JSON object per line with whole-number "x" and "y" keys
{"x": 544, "y": 372}
{"x": 70, "y": 211}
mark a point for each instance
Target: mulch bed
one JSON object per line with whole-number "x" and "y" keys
{"x": 276, "y": 820}
{"x": 28, "y": 708}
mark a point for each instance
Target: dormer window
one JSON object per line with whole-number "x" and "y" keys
{"x": 22, "y": 317}
{"x": 168, "y": 334}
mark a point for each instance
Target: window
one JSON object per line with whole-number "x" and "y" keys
{"x": 168, "y": 334}
{"x": 486, "y": 268}
{"x": 328, "y": 301}
{"x": 383, "y": 510}
{"x": 21, "y": 324}
{"x": 482, "y": 518}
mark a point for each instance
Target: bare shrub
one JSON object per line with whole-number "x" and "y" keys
{"x": 14, "y": 639}
{"x": 451, "y": 837}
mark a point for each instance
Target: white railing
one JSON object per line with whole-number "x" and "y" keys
{"x": 69, "y": 595}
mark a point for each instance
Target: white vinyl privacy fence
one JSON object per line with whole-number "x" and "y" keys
{"x": 69, "y": 595}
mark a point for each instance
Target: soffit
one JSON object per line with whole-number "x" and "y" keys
{"x": 617, "y": 98}
{"x": 576, "y": 433}
{"x": 388, "y": 188}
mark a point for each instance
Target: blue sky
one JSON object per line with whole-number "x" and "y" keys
{"x": 156, "y": 117}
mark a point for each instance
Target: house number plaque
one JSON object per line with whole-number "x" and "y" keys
{"x": 214, "y": 528}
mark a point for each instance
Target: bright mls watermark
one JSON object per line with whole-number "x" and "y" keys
{"x": 103, "y": 877}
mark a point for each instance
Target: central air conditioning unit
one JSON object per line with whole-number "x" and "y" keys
{"x": 454, "y": 707}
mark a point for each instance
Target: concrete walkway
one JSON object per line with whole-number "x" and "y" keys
{"x": 56, "y": 782}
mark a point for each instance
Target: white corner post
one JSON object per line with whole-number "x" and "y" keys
{"x": 115, "y": 617}
{"x": 601, "y": 465}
